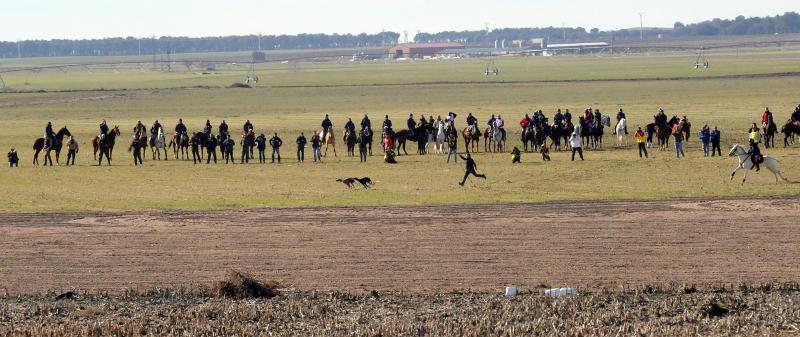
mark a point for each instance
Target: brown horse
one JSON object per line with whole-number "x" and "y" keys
{"x": 180, "y": 144}
{"x": 350, "y": 140}
{"x": 38, "y": 146}
{"x": 110, "y": 139}
{"x": 471, "y": 139}
{"x": 329, "y": 140}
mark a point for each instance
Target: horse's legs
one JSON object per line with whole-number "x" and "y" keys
{"x": 746, "y": 170}
{"x": 734, "y": 171}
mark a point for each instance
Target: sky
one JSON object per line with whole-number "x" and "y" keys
{"x": 83, "y": 19}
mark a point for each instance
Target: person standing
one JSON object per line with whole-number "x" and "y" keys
{"x": 362, "y": 146}
{"x": 316, "y": 144}
{"x": 276, "y": 143}
{"x": 639, "y": 137}
{"x": 714, "y": 137}
{"x": 754, "y": 133}
{"x": 261, "y": 144}
{"x": 72, "y": 150}
{"x": 575, "y": 142}
{"x": 452, "y": 148}
{"x": 13, "y": 158}
{"x": 705, "y": 139}
{"x": 678, "y": 144}
{"x": 301, "y": 148}
{"x": 470, "y": 169}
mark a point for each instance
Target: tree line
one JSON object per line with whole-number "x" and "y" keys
{"x": 787, "y": 23}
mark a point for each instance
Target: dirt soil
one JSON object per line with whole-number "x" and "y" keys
{"x": 587, "y": 244}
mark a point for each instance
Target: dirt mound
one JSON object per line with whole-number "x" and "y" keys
{"x": 240, "y": 85}
{"x": 239, "y": 285}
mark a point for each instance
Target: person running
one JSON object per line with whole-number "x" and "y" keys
{"x": 516, "y": 156}
{"x": 72, "y": 150}
{"x": 13, "y": 158}
{"x": 755, "y": 155}
{"x": 276, "y": 143}
{"x": 316, "y": 144}
{"x": 470, "y": 169}
{"x": 261, "y": 145}
{"x": 301, "y": 148}
{"x": 639, "y": 137}
{"x": 575, "y": 142}
{"x": 326, "y": 126}
{"x": 714, "y": 137}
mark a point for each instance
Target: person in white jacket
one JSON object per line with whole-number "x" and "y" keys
{"x": 575, "y": 142}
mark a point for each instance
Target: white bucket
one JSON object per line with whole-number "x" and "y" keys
{"x": 560, "y": 292}
{"x": 512, "y": 291}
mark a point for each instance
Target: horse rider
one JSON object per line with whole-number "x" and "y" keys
{"x": 422, "y": 121}
{"x": 411, "y": 123}
{"x": 207, "y": 128}
{"x": 451, "y": 116}
{"x": 796, "y": 115}
{"x": 154, "y": 129}
{"x": 103, "y": 128}
{"x": 247, "y": 127}
{"x": 490, "y": 123}
{"x": 620, "y": 116}
{"x": 500, "y": 125}
{"x": 430, "y": 120}
{"x": 568, "y": 117}
{"x": 661, "y": 118}
{"x": 326, "y": 124}
{"x": 49, "y": 135}
{"x": 766, "y": 118}
{"x": 472, "y": 123}
{"x": 598, "y": 118}
{"x": 587, "y": 116}
{"x": 387, "y": 123}
{"x": 139, "y": 129}
{"x": 558, "y": 118}
{"x": 350, "y": 126}
{"x": 223, "y": 128}
{"x": 180, "y": 128}
{"x": 365, "y": 123}
{"x": 525, "y": 122}
{"x": 755, "y": 155}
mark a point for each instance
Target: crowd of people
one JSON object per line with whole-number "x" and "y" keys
{"x": 709, "y": 137}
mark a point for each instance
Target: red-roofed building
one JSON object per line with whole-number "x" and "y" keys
{"x": 420, "y": 50}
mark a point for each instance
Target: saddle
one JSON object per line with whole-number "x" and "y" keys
{"x": 758, "y": 158}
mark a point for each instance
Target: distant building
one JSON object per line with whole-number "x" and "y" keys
{"x": 420, "y": 50}
{"x": 259, "y": 56}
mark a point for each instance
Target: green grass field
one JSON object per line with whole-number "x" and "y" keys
{"x": 293, "y": 98}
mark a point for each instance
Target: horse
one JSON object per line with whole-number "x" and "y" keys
{"x": 180, "y": 143}
{"x": 621, "y": 137}
{"x": 157, "y": 143}
{"x": 539, "y": 138}
{"x": 329, "y": 140}
{"x": 686, "y": 129}
{"x": 663, "y": 132}
{"x": 789, "y": 130}
{"x": 526, "y": 136}
{"x": 556, "y": 131}
{"x": 566, "y": 133}
{"x": 400, "y": 137}
{"x": 597, "y": 135}
{"x": 248, "y": 142}
{"x": 39, "y": 145}
{"x": 441, "y": 137}
{"x": 110, "y": 140}
{"x": 499, "y": 140}
{"x": 651, "y": 130}
{"x": 366, "y": 136}
{"x": 770, "y": 129}
{"x": 745, "y": 163}
{"x": 422, "y": 133}
{"x": 471, "y": 138}
{"x": 200, "y": 138}
{"x": 350, "y": 140}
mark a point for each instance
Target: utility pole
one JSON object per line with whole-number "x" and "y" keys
{"x": 259, "y": 41}
{"x": 140, "y": 46}
{"x": 564, "y": 29}
{"x": 641, "y": 26}
{"x": 19, "y": 51}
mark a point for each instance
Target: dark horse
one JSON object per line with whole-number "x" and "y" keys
{"x": 789, "y": 130}
{"x": 556, "y": 133}
{"x": 770, "y": 129}
{"x": 39, "y": 145}
{"x": 597, "y": 135}
{"x": 366, "y": 136}
{"x": 663, "y": 132}
{"x": 201, "y": 138}
{"x": 180, "y": 144}
{"x": 400, "y": 138}
{"x": 526, "y": 136}
{"x": 350, "y": 140}
{"x": 110, "y": 140}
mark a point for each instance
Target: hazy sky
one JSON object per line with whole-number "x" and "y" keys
{"x": 46, "y": 19}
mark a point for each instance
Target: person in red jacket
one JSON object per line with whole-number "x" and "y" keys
{"x": 524, "y": 122}
{"x": 766, "y": 117}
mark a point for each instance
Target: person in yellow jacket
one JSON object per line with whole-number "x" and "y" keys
{"x": 755, "y": 134}
{"x": 639, "y": 137}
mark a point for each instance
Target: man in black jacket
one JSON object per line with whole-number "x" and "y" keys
{"x": 276, "y": 143}
{"x": 470, "y": 169}
{"x": 301, "y": 148}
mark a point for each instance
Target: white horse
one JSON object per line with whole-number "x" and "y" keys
{"x": 621, "y": 137}
{"x": 440, "y": 137}
{"x": 159, "y": 143}
{"x": 745, "y": 163}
